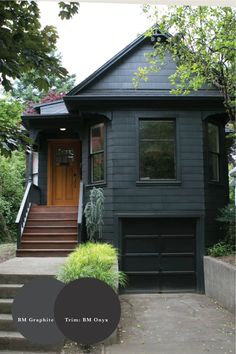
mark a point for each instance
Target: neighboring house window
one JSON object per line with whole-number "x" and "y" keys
{"x": 35, "y": 169}
{"x": 97, "y": 144}
{"x": 214, "y": 152}
{"x": 157, "y": 149}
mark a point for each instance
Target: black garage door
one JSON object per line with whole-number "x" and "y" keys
{"x": 158, "y": 254}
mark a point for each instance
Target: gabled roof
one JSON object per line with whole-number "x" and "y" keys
{"x": 105, "y": 67}
{"x": 88, "y": 93}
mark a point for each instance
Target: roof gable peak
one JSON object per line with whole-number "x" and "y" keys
{"x": 105, "y": 67}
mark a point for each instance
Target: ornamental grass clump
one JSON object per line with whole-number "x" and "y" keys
{"x": 93, "y": 260}
{"x": 94, "y": 213}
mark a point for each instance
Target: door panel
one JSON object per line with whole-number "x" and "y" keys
{"x": 63, "y": 172}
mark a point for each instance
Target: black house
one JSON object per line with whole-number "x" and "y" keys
{"x": 160, "y": 159}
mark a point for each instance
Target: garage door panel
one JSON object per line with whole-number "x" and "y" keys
{"x": 137, "y": 245}
{"x": 178, "y": 263}
{"x": 178, "y": 244}
{"x": 141, "y": 263}
{"x": 178, "y": 282}
{"x": 138, "y": 282}
{"x": 173, "y": 226}
{"x": 139, "y": 226}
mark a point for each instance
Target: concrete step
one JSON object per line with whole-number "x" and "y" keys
{"x": 5, "y": 306}
{"x": 9, "y": 283}
{"x": 6, "y": 323}
{"x": 27, "y": 352}
{"x": 15, "y": 341}
{"x": 8, "y": 291}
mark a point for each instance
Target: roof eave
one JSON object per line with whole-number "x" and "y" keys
{"x": 76, "y": 104}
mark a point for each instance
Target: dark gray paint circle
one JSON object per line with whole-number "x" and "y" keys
{"x": 33, "y": 311}
{"x": 87, "y": 310}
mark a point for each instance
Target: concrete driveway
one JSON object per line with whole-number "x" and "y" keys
{"x": 173, "y": 324}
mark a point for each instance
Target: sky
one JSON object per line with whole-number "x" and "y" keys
{"x": 98, "y": 32}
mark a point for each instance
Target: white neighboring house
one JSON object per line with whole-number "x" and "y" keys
{"x": 232, "y": 174}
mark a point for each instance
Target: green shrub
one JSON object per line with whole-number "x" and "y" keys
{"x": 220, "y": 249}
{"x": 92, "y": 260}
{"x": 12, "y": 180}
{"x": 227, "y": 217}
{"x": 94, "y": 213}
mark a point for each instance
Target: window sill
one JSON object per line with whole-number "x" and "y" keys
{"x": 96, "y": 184}
{"x": 158, "y": 183}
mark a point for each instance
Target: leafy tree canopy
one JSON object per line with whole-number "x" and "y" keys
{"x": 25, "y": 91}
{"x": 202, "y": 42}
{"x": 25, "y": 46}
{"x": 12, "y": 133}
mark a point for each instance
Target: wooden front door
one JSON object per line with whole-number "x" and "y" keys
{"x": 63, "y": 172}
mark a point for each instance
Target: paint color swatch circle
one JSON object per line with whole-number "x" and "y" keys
{"x": 87, "y": 311}
{"x": 33, "y": 311}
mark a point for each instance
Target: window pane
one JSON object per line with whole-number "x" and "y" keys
{"x": 157, "y": 160}
{"x": 214, "y": 167}
{"x": 157, "y": 129}
{"x": 64, "y": 156}
{"x": 97, "y": 138}
{"x": 97, "y": 167}
{"x": 213, "y": 137}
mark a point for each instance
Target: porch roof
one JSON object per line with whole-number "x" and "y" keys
{"x": 37, "y": 120}
{"x": 45, "y": 121}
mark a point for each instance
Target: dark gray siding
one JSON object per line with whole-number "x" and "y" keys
{"x": 187, "y": 195}
{"x": 119, "y": 78}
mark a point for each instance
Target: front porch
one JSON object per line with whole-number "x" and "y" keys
{"x": 50, "y": 216}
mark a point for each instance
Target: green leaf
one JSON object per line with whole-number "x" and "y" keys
{"x": 42, "y": 84}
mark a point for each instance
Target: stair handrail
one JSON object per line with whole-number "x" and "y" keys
{"x": 80, "y": 210}
{"x": 23, "y": 202}
{"x": 31, "y": 195}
